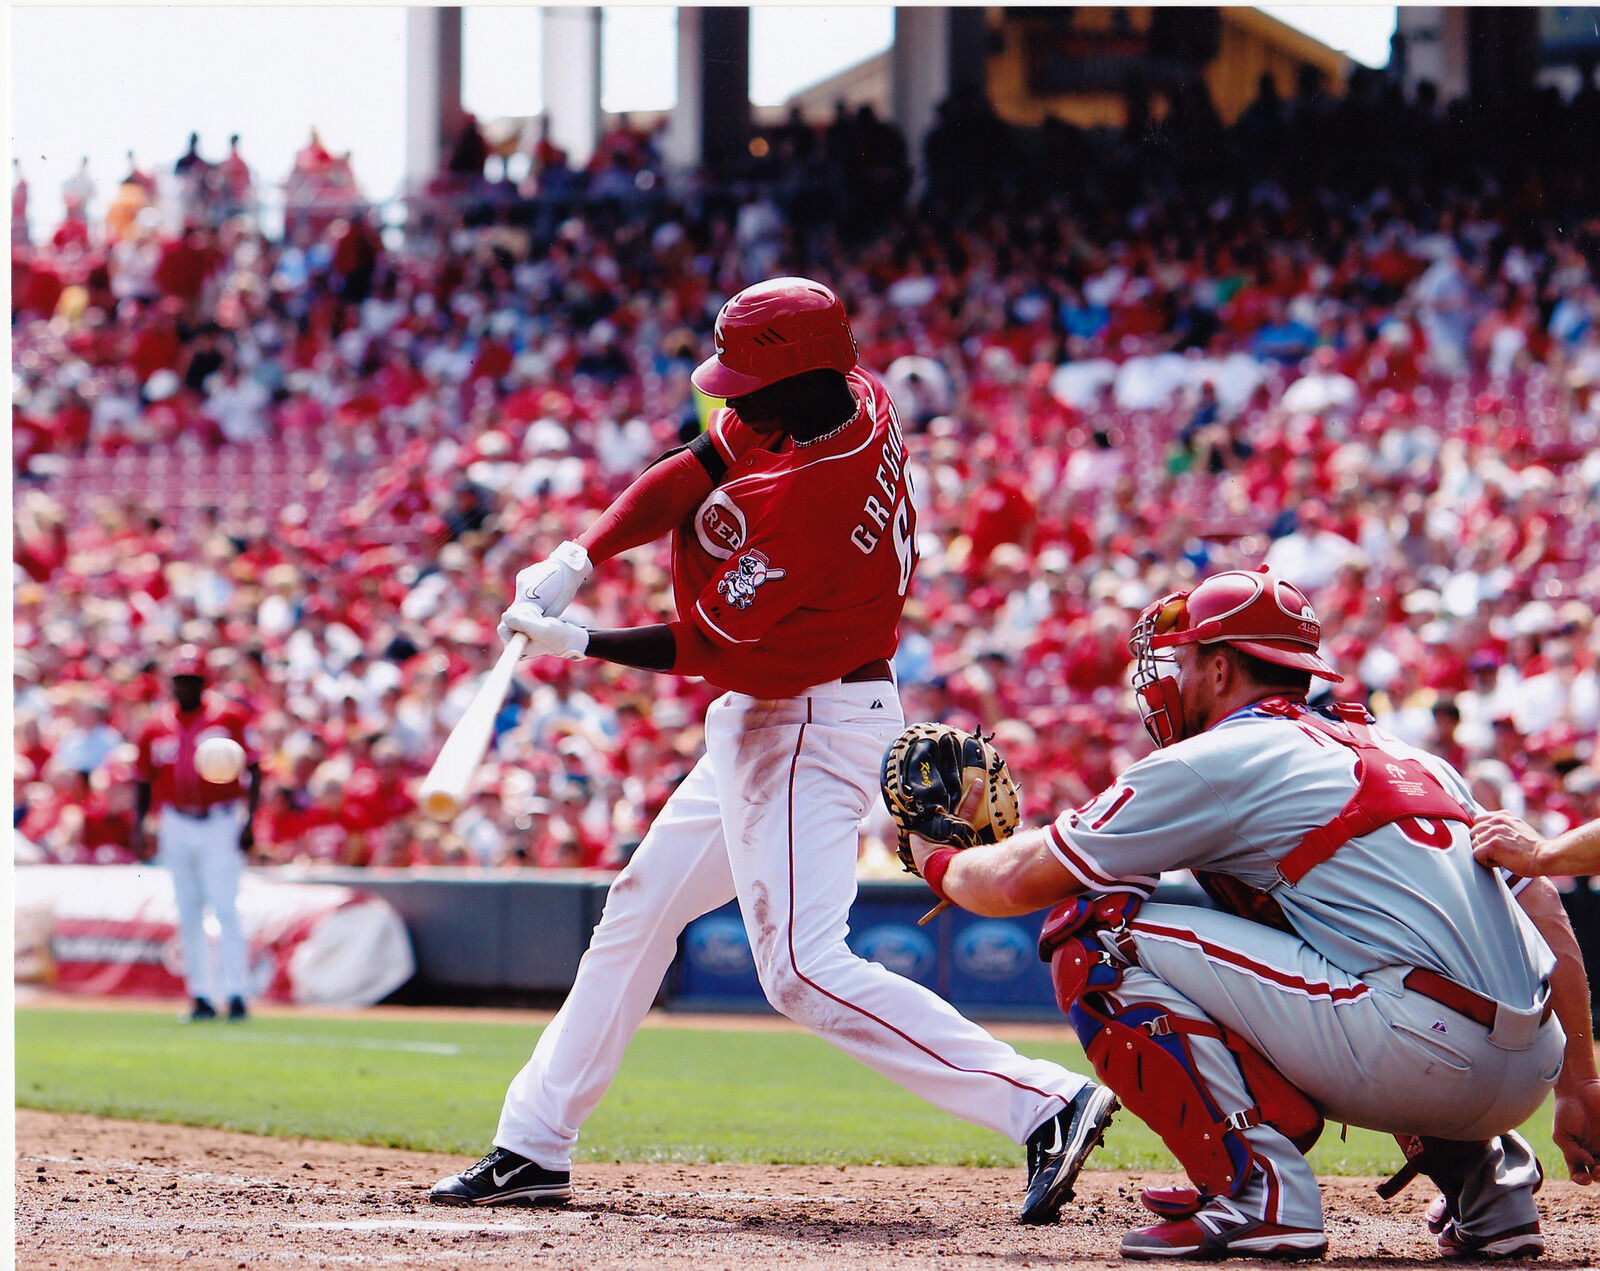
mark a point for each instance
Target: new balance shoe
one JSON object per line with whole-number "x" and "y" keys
{"x": 1219, "y": 1229}
{"x": 1526, "y": 1241}
{"x": 504, "y": 1178}
{"x": 1058, "y": 1149}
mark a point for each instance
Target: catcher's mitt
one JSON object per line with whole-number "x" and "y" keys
{"x": 948, "y": 787}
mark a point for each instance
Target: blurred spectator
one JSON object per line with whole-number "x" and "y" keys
{"x": 1104, "y": 395}
{"x": 91, "y": 739}
{"x": 469, "y": 151}
{"x": 78, "y": 192}
{"x": 233, "y": 180}
{"x": 19, "y": 205}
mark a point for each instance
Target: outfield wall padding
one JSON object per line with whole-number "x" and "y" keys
{"x": 479, "y": 934}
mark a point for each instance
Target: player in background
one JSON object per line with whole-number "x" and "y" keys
{"x": 1363, "y": 968}
{"x": 793, "y": 549}
{"x": 203, "y": 829}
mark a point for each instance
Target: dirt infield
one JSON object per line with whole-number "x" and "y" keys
{"x": 115, "y": 1195}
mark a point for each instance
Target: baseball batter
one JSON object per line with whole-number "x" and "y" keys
{"x": 793, "y": 549}
{"x": 203, "y": 829}
{"x": 1369, "y": 972}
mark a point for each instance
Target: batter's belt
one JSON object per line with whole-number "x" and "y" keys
{"x": 877, "y": 669}
{"x": 1509, "y": 1028}
{"x": 202, "y": 811}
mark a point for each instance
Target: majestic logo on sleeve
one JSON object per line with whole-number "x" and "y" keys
{"x": 739, "y": 586}
{"x": 720, "y": 526}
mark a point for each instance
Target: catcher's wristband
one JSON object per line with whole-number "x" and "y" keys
{"x": 933, "y": 871}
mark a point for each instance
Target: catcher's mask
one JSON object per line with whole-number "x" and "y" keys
{"x": 1253, "y": 610}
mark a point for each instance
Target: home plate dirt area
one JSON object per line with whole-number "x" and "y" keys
{"x": 121, "y": 1194}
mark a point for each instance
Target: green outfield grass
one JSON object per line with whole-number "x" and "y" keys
{"x": 689, "y": 1094}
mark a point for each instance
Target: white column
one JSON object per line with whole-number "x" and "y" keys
{"x": 1436, "y": 49}
{"x": 433, "y": 89}
{"x": 919, "y": 72}
{"x": 572, "y": 80}
{"x": 684, "y": 140}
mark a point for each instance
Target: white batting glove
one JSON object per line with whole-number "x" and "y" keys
{"x": 550, "y": 585}
{"x": 554, "y": 636}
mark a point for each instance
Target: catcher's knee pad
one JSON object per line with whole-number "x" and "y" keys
{"x": 1081, "y": 958}
{"x": 1136, "y": 1051}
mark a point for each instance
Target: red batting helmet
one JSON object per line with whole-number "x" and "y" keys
{"x": 1254, "y": 611}
{"x": 187, "y": 660}
{"x": 775, "y": 329}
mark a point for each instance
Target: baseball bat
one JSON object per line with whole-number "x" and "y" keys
{"x": 933, "y": 913}
{"x": 444, "y": 789}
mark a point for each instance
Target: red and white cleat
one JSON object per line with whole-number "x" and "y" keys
{"x": 1220, "y": 1230}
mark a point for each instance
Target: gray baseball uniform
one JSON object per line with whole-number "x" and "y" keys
{"x": 1334, "y": 1000}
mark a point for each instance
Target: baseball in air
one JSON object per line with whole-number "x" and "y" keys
{"x": 219, "y": 759}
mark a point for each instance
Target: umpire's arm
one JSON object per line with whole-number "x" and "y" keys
{"x": 1577, "y": 1114}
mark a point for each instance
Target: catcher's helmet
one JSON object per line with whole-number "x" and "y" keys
{"x": 775, "y": 329}
{"x": 1253, "y": 610}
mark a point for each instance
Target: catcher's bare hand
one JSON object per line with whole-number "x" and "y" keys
{"x": 947, "y": 788}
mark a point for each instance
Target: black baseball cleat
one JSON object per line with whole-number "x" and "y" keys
{"x": 237, "y": 1009}
{"x": 201, "y": 1009}
{"x": 504, "y": 1178}
{"x": 1058, "y": 1149}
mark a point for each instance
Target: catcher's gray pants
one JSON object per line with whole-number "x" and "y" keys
{"x": 1368, "y": 1052}
{"x": 770, "y": 814}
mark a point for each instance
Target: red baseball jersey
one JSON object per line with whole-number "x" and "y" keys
{"x": 796, "y": 566}
{"x": 166, "y": 752}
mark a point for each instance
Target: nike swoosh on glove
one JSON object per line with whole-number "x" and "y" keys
{"x": 554, "y": 636}
{"x": 551, "y": 584}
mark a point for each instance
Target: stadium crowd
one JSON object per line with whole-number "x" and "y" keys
{"x": 324, "y": 457}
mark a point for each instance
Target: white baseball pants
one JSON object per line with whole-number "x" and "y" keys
{"x": 203, "y": 856}
{"x": 770, "y": 814}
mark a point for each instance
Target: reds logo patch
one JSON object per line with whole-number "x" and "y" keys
{"x": 720, "y": 526}
{"x": 739, "y": 586}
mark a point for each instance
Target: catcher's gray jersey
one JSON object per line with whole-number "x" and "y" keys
{"x": 1239, "y": 797}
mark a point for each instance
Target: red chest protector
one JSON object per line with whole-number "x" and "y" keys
{"x": 1388, "y": 789}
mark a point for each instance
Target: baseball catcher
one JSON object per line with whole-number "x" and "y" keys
{"x": 1363, "y": 967}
